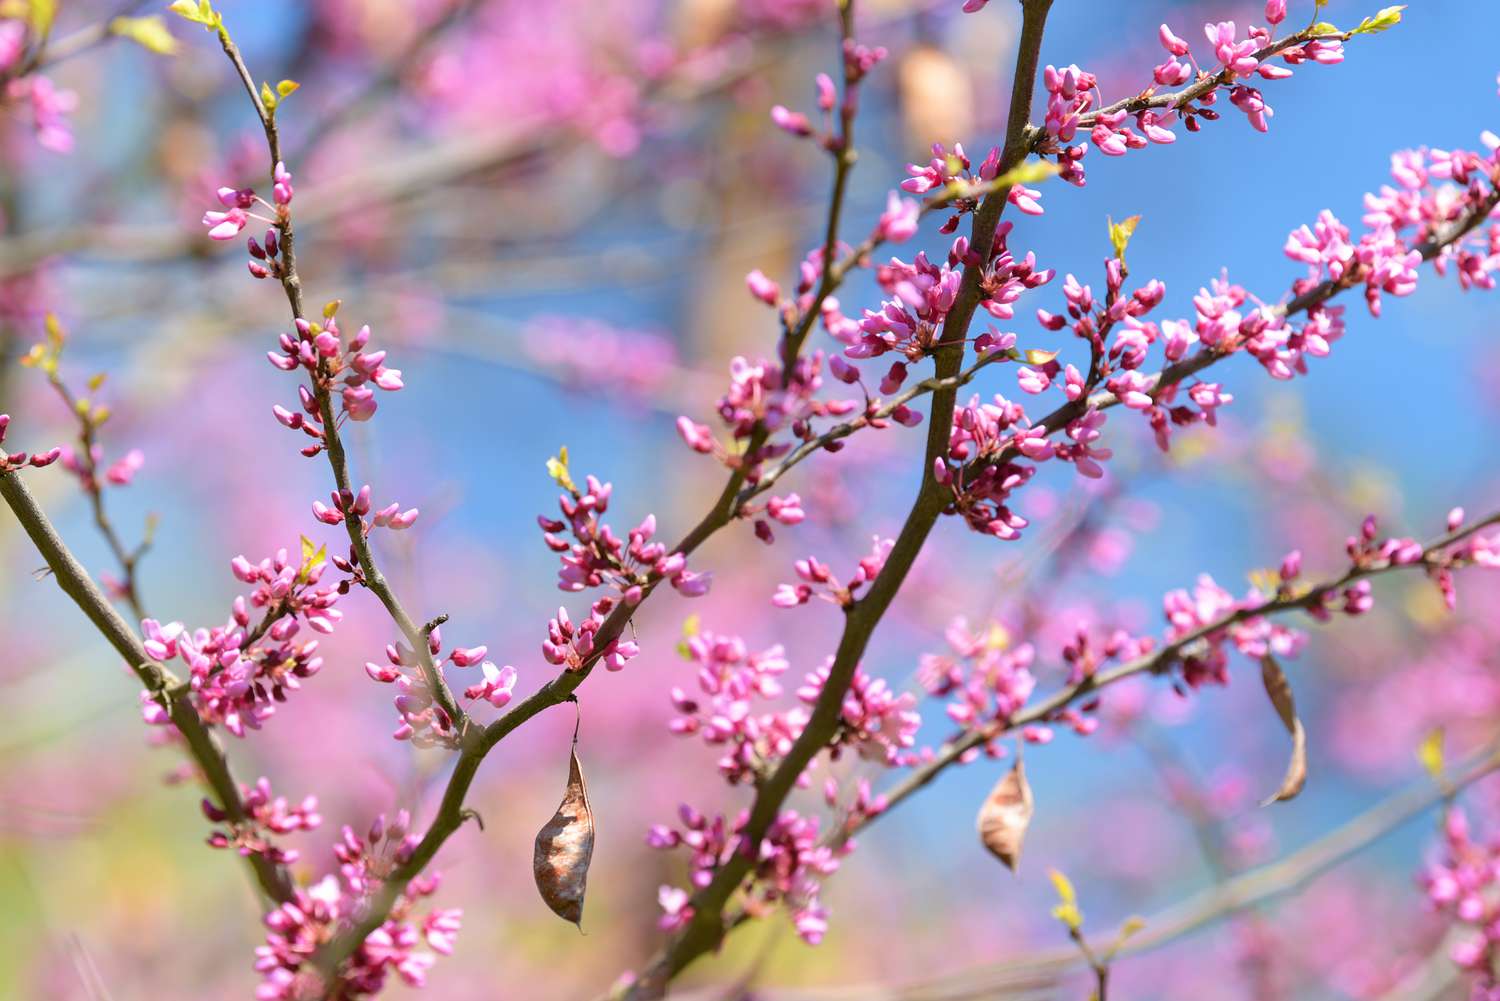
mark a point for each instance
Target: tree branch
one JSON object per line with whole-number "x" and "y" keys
{"x": 204, "y": 748}
{"x": 706, "y": 928}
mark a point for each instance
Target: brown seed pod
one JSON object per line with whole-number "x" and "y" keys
{"x": 564, "y": 848}
{"x": 1006, "y": 814}
{"x": 1280, "y": 692}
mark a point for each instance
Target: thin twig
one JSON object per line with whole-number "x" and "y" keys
{"x": 291, "y": 283}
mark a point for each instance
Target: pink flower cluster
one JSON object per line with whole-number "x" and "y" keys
{"x": 322, "y": 351}
{"x": 49, "y": 108}
{"x": 731, "y": 679}
{"x": 952, "y": 174}
{"x": 238, "y": 203}
{"x": 421, "y": 719}
{"x": 13, "y": 461}
{"x": 911, "y": 321}
{"x": 818, "y": 576}
{"x": 347, "y": 502}
{"x": 789, "y": 867}
{"x": 40, "y": 100}
{"x": 1205, "y": 659}
{"x": 597, "y": 557}
{"x": 238, "y": 672}
{"x": 988, "y": 436}
{"x": 763, "y": 398}
{"x": 878, "y": 723}
{"x": 875, "y": 722}
{"x": 859, "y": 60}
{"x": 988, "y": 679}
{"x": 1434, "y": 190}
{"x": 1074, "y": 102}
{"x": 571, "y": 646}
{"x": 268, "y": 816}
{"x": 318, "y": 913}
{"x": 1461, "y": 882}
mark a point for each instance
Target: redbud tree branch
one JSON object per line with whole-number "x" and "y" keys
{"x": 333, "y": 446}
{"x": 706, "y": 928}
{"x": 1162, "y": 660}
{"x": 1207, "y": 356}
{"x": 202, "y": 745}
{"x": 1198, "y": 910}
{"x": 127, "y": 558}
{"x": 1157, "y": 662}
{"x": 477, "y": 743}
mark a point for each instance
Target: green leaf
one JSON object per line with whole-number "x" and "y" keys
{"x": 557, "y": 468}
{"x": 150, "y": 33}
{"x": 690, "y": 627}
{"x": 285, "y": 87}
{"x": 1027, "y": 172}
{"x": 41, "y": 15}
{"x": 1036, "y": 356}
{"x": 1388, "y": 17}
{"x": 1120, "y": 233}
{"x": 1430, "y": 752}
{"x": 1132, "y": 925}
{"x": 1067, "y": 909}
{"x": 201, "y": 12}
{"x": 267, "y": 97}
{"x": 1324, "y": 28}
{"x": 311, "y": 558}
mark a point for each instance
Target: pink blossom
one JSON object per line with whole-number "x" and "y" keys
{"x": 496, "y": 687}
{"x": 898, "y": 222}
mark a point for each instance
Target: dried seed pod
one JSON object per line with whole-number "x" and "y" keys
{"x": 1280, "y": 692}
{"x": 563, "y": 849}
{"x": 1006, "y": 814}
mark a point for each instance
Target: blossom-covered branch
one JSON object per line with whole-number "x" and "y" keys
{"x": 270, "y": 875}
{"x": 321, "y": 422}
{"x": 704, "y": 927}
{"x": 1345, "y": 592}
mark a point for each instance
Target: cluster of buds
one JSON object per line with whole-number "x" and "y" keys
{"x": 763, "y": 399}
{"x": 319, "y": 347}
{"x": 238, "y": 672}
{"x": 265, "y": 816}
{"x": 791, "y": 863}
{"x": 731, "y": 680}
{"x": 9, "y": 463}
{"x": 817, "y": 578}
{"x": 422, "y": 720}
{"x": 597, "y": 557}
{"x": 960, "y": 185}
{"x": 239, "y": 205}
{"x": 1075, "y": 105}
{"x": 574, "y": 646}
{"x": 318, "y": 913}
{"x": 859, "y": 60}
{"x": 347, "y": 502}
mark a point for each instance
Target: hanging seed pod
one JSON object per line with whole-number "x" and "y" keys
{"x": 564, "y": 847}
{"x": 1280, "y": 692}
{"x": 1006, "y": 814}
